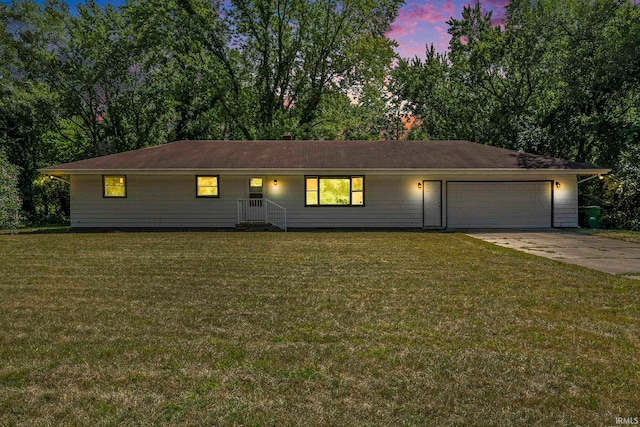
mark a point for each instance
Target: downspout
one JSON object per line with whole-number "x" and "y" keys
{"x": 58, "y": 178}
{"x": 599, "y": 176}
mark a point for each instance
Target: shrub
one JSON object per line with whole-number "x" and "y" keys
{"x": 10, "y": 202}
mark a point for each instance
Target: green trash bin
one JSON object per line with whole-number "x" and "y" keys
{"x": 592, "y": 213}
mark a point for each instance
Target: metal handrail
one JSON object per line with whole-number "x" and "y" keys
{"x": 262, "y": 211}
{"x": 276, "y": 214}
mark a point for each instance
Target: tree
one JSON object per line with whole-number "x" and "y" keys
{"x": 10, "y": 203}
{"x": 24, "y": 104}
{"x": 86, "y": 60}
{"x": 432, "y": 97}
{"x": 554, "y": 78}
{"x": 271, "y": 64}
{"x": 71, "y": 89}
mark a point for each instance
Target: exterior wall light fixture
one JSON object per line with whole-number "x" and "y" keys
{"x": 419, "y": 185}
{"x": 275, "y": 182}
{"x": 557, "y": 184}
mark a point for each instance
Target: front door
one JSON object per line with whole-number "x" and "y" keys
{"x": 432, "y": 199}
{"x": 255, "y": 206}
{"x": 255, "y": 187}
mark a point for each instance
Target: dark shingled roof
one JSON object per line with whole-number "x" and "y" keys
{"x": 318, "y": 155}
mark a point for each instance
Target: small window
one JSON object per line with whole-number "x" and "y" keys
{"x": 114, "y": 186}
{"x": 357, "y": 190}
{"x": 207, "y": 186}
{"x": 334, "y": 191}
{"x": 312, "y": 190}
{"x": 255, "y": 188}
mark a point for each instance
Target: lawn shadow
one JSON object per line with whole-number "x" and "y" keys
{"x": 52, "y": 229}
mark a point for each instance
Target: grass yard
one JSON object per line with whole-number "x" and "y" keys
{"x": 309, "y": 329}
{"x": 628, "y": 236}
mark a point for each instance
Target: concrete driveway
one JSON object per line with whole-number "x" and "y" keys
{"x": 598, "y": 253}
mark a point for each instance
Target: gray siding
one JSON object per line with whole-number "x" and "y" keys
{"x": 389, "y": 201}
{"x": 153, "y": 201}
{"x": 565, "y": 202}
{"x": 166, "y": 200}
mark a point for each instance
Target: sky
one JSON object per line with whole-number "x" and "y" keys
{"x": 423, "y": 22}
{"x": 419, "y": 22}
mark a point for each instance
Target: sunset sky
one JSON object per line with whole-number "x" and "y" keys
{"x": 423, "y": 22}
{"x": 419, "y": 22}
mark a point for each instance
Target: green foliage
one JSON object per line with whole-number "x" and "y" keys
{"x": 620, "y": 193}
{"x": 10, "y": 203}
{"x": 267, "y": 68}
{"x": 87, "y": 61}
{"x": 104, "y": 80}
{"x": 51, "y": 201}
{"x": 555, "y": 78}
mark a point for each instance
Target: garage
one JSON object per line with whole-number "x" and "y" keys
{"x": 512, "y": 204}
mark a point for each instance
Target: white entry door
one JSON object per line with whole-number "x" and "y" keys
{"x": 432, "y": 199}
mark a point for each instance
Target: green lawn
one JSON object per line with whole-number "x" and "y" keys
{"x": 309, "y": 329}
{"x": 628, "y": 236}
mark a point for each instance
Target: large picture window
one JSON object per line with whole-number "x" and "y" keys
{"x": 114, "y": 186}
{"x": 334, "y": 191}
{"x": 207, "y": 186}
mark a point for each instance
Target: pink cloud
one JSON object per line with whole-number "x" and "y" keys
{"x": 412, "y": 15}
{"x": 423, "y": 22}
{"x": 497, "y": 9}
{"x": 442, "y": 45}
{"x": 396, "y": 31}
{"x": 497, "y": 4}
{"x": 406, "y": 28}
{"x": 431, "y": 13}
{"x": 442, "y": 32}
{"x": 408, "y": 48}
{"x": 411, "y": 48}
{"x": 498, "y": 16}
{"x": 414, "y": 50}
{"x": 428, "y": 12}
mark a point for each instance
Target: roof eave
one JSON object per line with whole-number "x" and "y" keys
{"x": 290, "y": 171}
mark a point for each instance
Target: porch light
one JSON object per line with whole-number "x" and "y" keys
{"x": 275, "y": 182}
{"x": 419, "y": 185}
{"x": 557, "y": 184}
{"x": 600, "y": 176}
{"x": 58, "y": 178}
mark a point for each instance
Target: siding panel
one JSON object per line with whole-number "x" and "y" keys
{"x": 153, "y": 201}
{"x": 390, "y": 201}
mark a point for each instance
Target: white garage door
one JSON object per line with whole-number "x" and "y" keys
{"x": 498, "y": 204}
